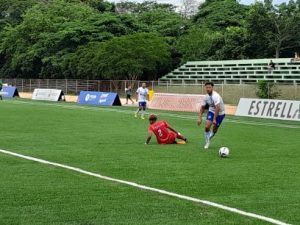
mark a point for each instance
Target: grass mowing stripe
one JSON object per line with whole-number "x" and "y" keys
{"x": 164, "y": 192}
{"x": 254, "y": 123}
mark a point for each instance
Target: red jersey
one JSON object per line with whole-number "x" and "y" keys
{"x": 163, "y": 135}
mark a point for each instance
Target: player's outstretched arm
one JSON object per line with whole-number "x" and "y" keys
{"x": 149, "y": 138}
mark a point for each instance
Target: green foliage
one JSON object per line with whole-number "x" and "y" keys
{"x": 146, "y": 6}
{"x": 168, "y": 24}
{"x": 234, "y": 44}
{"x": 199, "y": 44}
{"x": 51, "y": 31}
{"x": 100, "y": 5}
{"x": 259, "y": 27}
{"x": 273, "y": 31}
{"x": 126, "y": 57}
{"x": 217, "y": 15}
{"x": 266, "y": 90}
{"x": 43, "y": 38}
{"x": 11, "y": 11}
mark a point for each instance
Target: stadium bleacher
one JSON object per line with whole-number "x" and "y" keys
{"x": 235, "y": 72}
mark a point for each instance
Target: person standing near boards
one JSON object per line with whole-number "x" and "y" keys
{"x": 128, "y": 93}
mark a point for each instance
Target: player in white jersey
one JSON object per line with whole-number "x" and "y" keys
{"x": 142, "y": 95}
{"x": 216, "y": 112}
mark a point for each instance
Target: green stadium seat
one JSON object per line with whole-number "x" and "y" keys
{"x": 235, "y": 72}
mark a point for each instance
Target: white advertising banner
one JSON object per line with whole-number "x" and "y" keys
{"x": 47, "y": 94}
{"x": 269, "y": 108}
{"x": 177, "y": 102}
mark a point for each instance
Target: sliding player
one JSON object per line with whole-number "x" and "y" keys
{"x": 163, "y": 132}
{"x": 215, "y": 115}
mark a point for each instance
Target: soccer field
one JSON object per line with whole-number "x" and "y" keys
{"x": 261, "y": 176}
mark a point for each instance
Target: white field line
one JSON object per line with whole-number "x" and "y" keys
{"x": 254, "y": 123}
{"x": 143, "y": 187}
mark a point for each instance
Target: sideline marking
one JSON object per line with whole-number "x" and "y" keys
{"x": 143, "y": 187}
{"x": 187, "y": 117}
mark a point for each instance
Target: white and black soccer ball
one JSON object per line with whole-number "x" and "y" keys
{"x": 224, "y": 152}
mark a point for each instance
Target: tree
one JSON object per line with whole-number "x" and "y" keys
{"x": 166, "y": 23}
{"x": 127, "y": 57}
{"x": 258, "y": 27}
{"x": 217, "y": 15}
{"x": 234, "y": 44}
{"x": 146, "y": 6}
{"x": 267, "y": 90}
{"x": 274, "y": 29}
{"x": 11, "y": 11}
{"x": 100, "y": 5}
{"x": 287, "y": 28}
{"x": 50, "y": 31}
{"x": 199, "y": 44}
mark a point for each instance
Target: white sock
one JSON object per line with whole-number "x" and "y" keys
{"x": 143, "y": 112}
{"x": 207, "y": 135}
{"x": 211, "y": 134}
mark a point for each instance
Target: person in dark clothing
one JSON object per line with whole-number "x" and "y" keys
{"x": 271, "y": 66}
{"x": 128, "y": 92}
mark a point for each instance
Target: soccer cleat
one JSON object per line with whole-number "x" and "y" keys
{"x": 142, "y": 117}
{"x": 206, "y": 146}
{"x": 181, "y": 142}
{"x": 135, "y": 115}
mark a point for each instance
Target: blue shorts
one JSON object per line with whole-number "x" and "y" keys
{"x": 142, "y": 104}
{"x": 210, "y": 117}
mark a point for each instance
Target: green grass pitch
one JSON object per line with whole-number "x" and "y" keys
{"x": 262, "y": 174}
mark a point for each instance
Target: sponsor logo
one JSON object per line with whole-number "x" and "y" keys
{"x": 274, "y": 109}
{"x": 90, "y": 97}
{"x": 103, "y": 98}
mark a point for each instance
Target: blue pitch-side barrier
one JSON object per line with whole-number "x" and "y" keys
{"x": 99, "y": 98}
{"x": 9, "y": 92}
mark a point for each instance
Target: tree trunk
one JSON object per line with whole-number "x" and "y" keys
{"x": 277, "y": 52}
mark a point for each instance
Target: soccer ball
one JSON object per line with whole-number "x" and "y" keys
{"x": 224, "y": 152}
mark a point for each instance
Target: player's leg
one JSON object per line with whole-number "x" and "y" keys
{"x": 144, "y": 106}
{"x": 131, "y": 99}
{"x": 171, "y": 138}
{"x": 181, "y": 137}
{"x": 207, "y": 132}
{"x": 127, "y": 97}
{"x": 139, "y": 109}
{"x": 216, "y": 126}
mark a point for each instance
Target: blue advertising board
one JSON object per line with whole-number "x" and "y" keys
{"x": 99, "y": 98}
{"x": 9, "y": 92}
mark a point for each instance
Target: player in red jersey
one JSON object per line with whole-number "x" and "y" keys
{"x": 163, "y": 132}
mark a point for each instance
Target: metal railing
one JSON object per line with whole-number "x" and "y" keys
{"x": 231, "y": 92}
